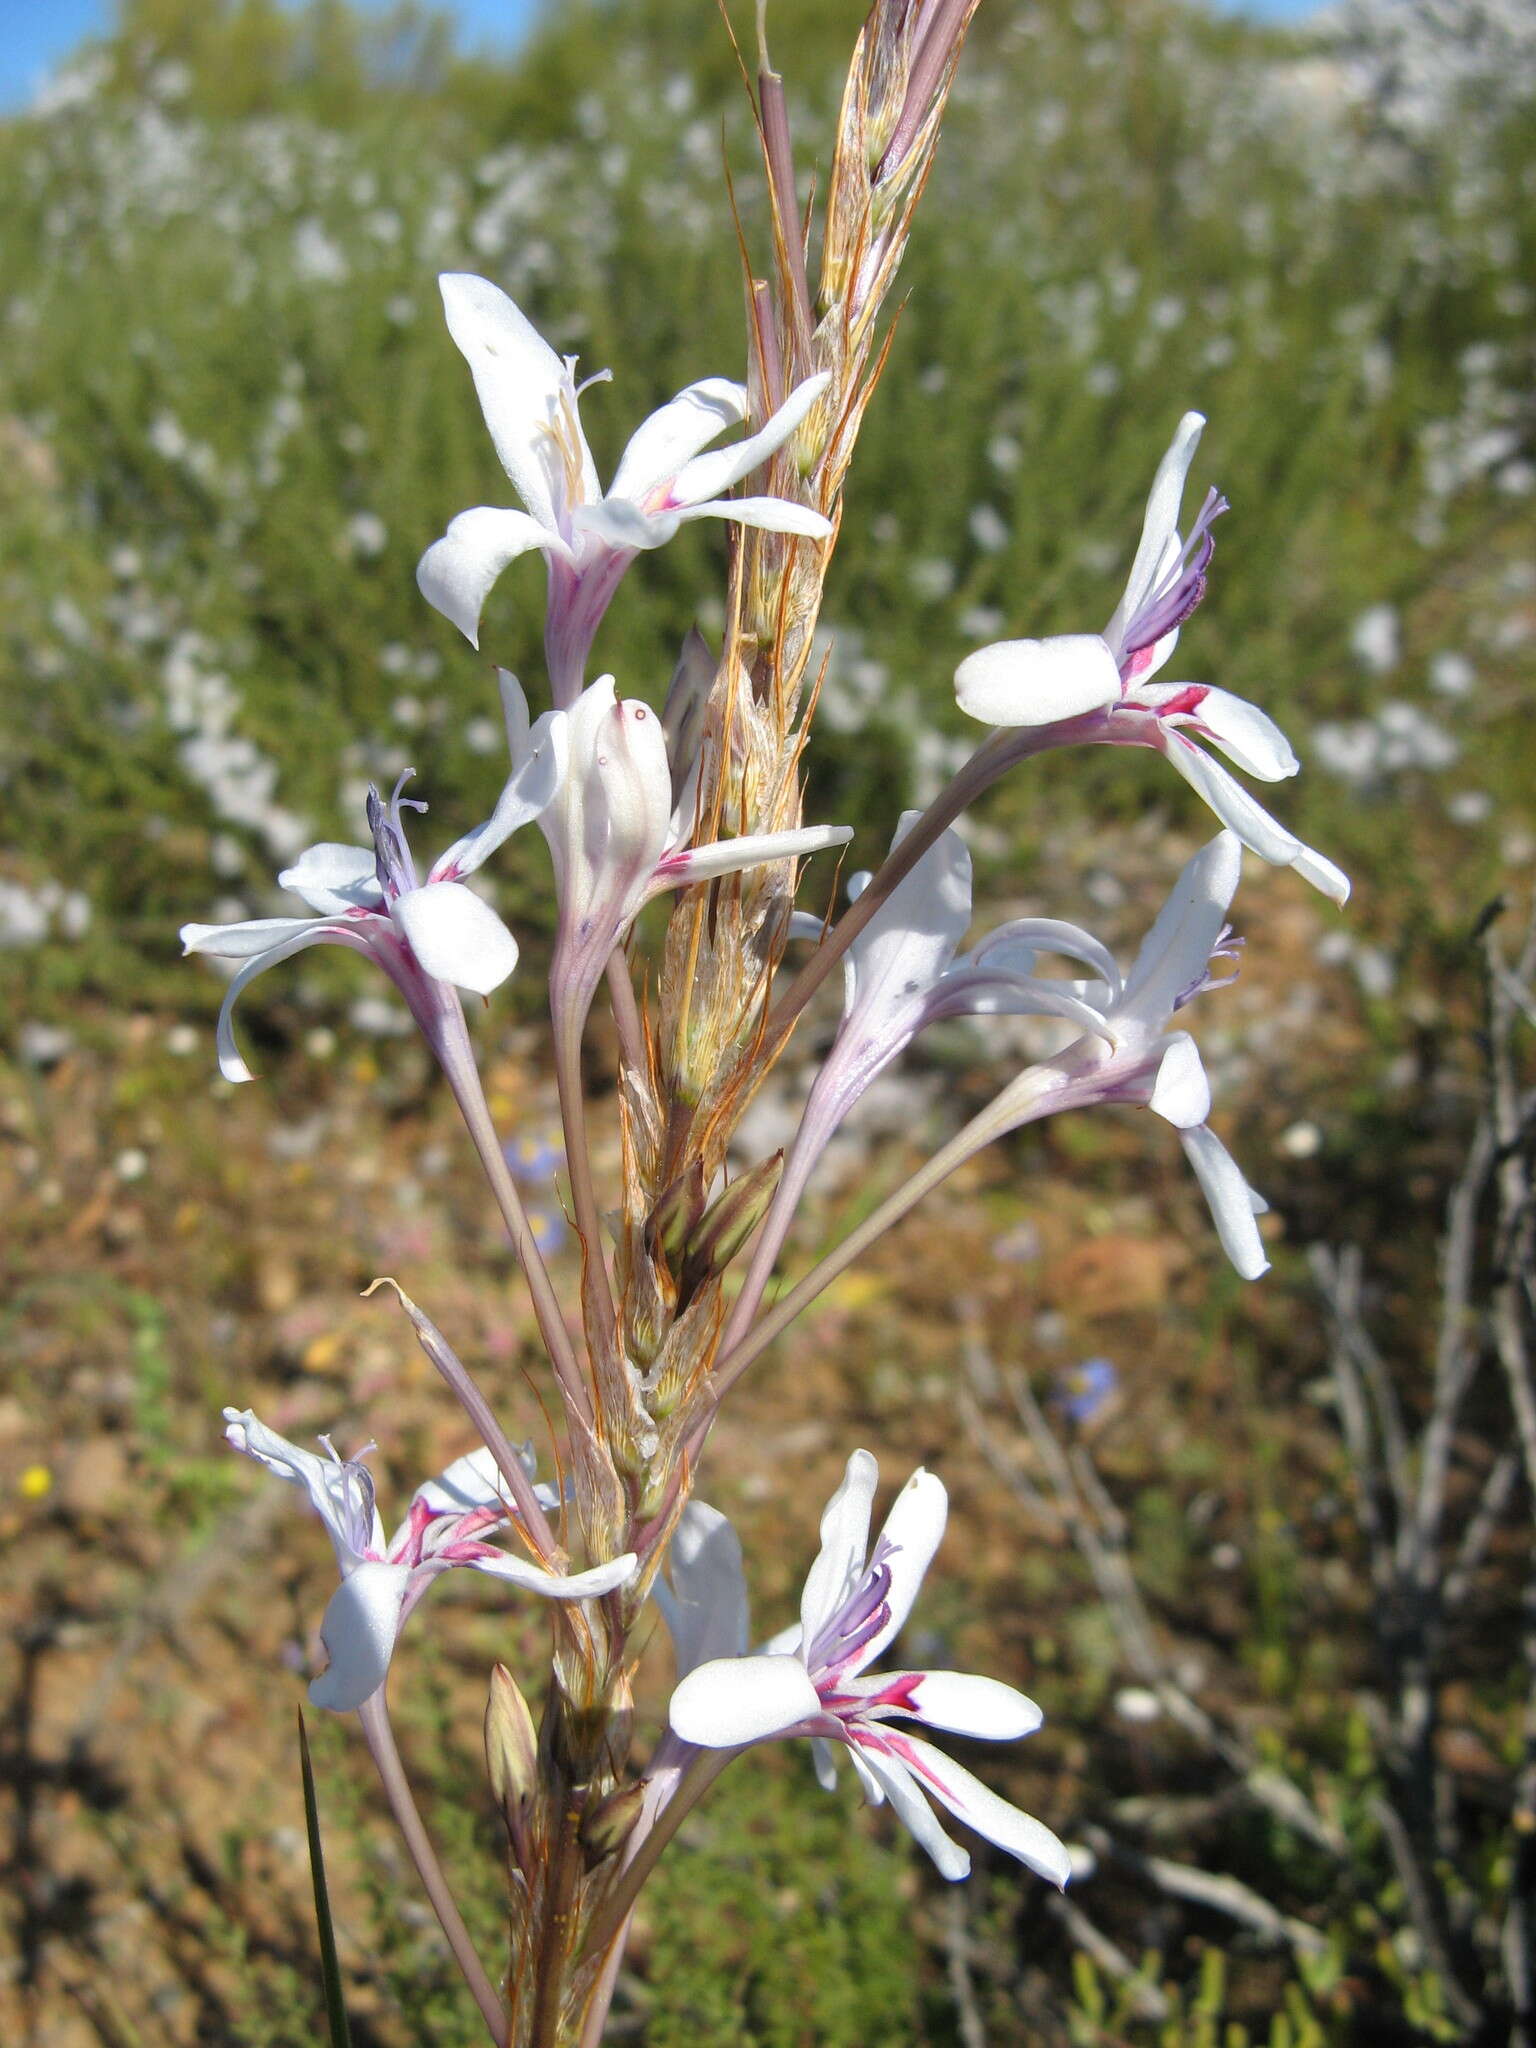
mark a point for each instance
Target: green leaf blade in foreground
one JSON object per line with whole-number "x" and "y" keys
{"x": 330, "y": 1967}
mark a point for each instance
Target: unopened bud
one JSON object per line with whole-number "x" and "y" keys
{"x": 511, "y": 1746}
{"x": 671, "y": 1224}
{"x": 729, "y": 1222}
{"x": 686, "y": 707}
{"x": 608, "y": 1826}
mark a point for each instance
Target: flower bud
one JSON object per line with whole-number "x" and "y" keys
{"x": 671, "y": 1224}
{"x": 511, "y": 1745}
{"x": 729, "y": 1222}
{"x": 608, "y": 1826}
{"x": 686, "y": 706}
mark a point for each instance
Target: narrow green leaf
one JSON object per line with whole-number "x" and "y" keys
{"x": 330, "y": 1968}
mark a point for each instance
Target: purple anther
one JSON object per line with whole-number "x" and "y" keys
{"x": 1179, "y": 595}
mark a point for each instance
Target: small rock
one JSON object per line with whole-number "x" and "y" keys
{"x": 93, "y": 1476}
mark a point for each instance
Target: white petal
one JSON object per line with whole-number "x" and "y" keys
{"x": 1322, "y": 873}
{"x": 737, "y": 1700}
{"x": 456, "y": 573}
{"x": 960, "y": 1701}
{"x": 473, "y": 1481}
{"x": 1181, "y": 1092}
{"x": 334, "y": 879}
{"x": 519, "y": 381}
{"x": 844, "y": 1547}
{"x": 628, "y": 807}
{"x": 514, "y": 713}
{"x": 1244, "y": 733}
{"x": 776, "y": 515}
{"x": 303, "y": 932}
{"x": 340, "y": 1492}
{"x": 528, "y": 792}
{"x": 993, "y": 992}
{"x": 1237, "y": 810}
{"x": 913, "y": 1531}
{"x": 587, "y": 1585}
{"x": 705, "y": 1605}
{"x": 619, "y": 523}
{"x": 872, "y": 1788}
{"x": 911, "y": 939}
{"x": 914, "y": 1812}
{"x": 359, "y": 1631}
{"x": 707, "y": 476}
{"x": 675, "y": 433}
{"x": 1233, "y": 1203}
{"x": 247, "y": 1433}
{"x": 456, "y": 936}
{"x": 1050, "y": 935}
{"x": 726, "y": 856}
{"x": 971, "y": 1801}
{"x": 243, "y": 941}
{"x": 824, "y": 1763}
{"x": 1159, "y": 530}
{"x": 1176, "y": 952}
{"x": 1037, "y": 682}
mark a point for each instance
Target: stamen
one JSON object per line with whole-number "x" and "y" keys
{"x": 1180, "y": 592}
{"x": 1228, "y": 946}
{"x": 392, "y": 857}
{"x": 850, "y": 1627}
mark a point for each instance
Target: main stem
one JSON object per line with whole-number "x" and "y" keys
{"x": 373, "y": 1715}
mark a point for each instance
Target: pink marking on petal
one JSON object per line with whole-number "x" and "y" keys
{"x": 467, "y": 1551}
{"x": 901, "y": 1693}
{"x": 1186, "y": 703}
{"x": 412, "y": 1539}
{"x": 901, "y": 1747}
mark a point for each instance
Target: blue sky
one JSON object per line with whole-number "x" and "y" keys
{"x": 36, "y": 34}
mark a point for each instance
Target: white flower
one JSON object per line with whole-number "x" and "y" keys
{"x": 814, "y": 1680}
{"x": 618, "y": 833}
{"x": 529, "y": 397}
{"x": 904, "y": 972}
{"x": 1132, "y": 1055}
{"x": 446, "y": 1525}
{"x": 1106, "y": 679}
{"x": 369, "y": 898}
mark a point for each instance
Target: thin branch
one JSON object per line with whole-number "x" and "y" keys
{"x": 957, "y": 1962}
{"x": 373, "y": 1714}
{"x": 1214, "y": 1890}
{"x": 1147, "y": 2001}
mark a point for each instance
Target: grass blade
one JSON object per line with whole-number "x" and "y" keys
{"x": 330, "y": 1968}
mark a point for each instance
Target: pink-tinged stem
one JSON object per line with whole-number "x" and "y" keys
{"x": 999, "y": 752}
{"x": 980, "y": 1131}
{"x": 458, "y": 1062}
{"x": 481, "y": 1414}
{"x": 798, "y": 1167}
{"x": 597, "y": 1295}
{"x": 373, "y": 1714}
{"x": 779, "y": 158}
{"x": 577, "y": 603}
{"x": 978, "y": 774}
{"x": 595, "y": 2021}
{"x": 612, "y": 1916}
{"x": 626, "y": 1012}
{"x": 938, "y": 46}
